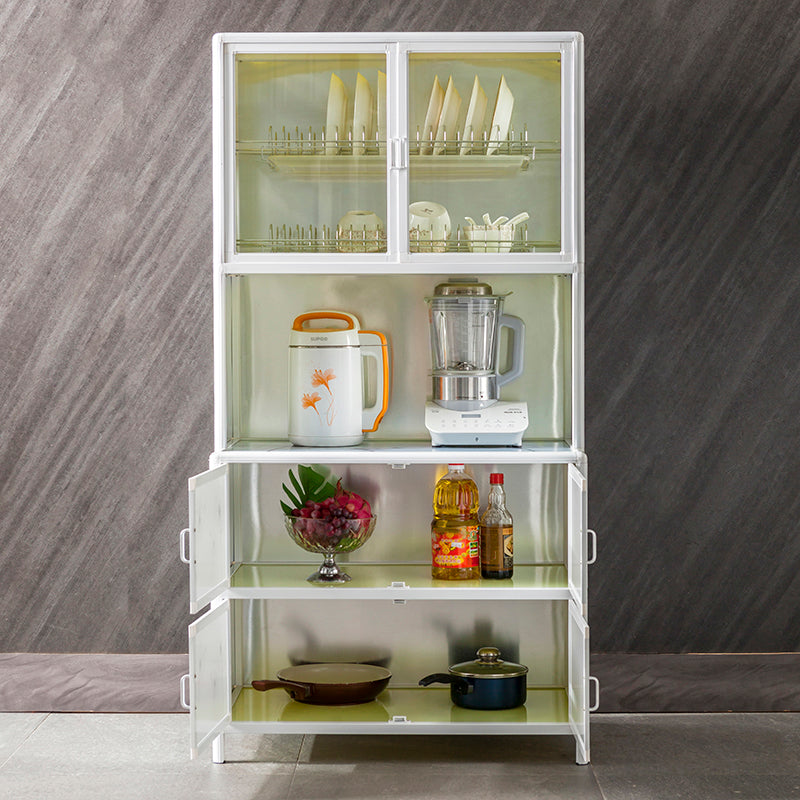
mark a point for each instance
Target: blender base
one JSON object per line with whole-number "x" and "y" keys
{"x": 500, "y": 425}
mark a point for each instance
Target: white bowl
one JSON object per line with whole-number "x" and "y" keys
{"x": 428, "y": 227}
{"x": 359, "y": 232}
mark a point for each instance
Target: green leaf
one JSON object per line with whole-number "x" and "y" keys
{"x": 310, "y": 478}
{"x": 286, "y": 509}
{"x": 297, "y": 503}
{"x": 298, "y": 488}
{"x": 324, "y": 492}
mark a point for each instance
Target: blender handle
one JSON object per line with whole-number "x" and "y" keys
{"x": 374, "y": 345}
{"x": 517, "y": 328}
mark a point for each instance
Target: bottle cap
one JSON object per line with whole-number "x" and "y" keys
{"x": 455, "y": 465}
{"x": 496, "y": 477}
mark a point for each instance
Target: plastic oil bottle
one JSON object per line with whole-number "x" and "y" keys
{"x": 497, "y": 533}
{"x": 455, "y": 527}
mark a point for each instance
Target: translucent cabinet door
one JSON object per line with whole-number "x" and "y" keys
{"x": 311, "y": 149}
{"x": 485, "y": 139}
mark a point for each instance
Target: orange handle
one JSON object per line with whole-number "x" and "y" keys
{"x": 311, "y": 315}
{"x": 383, "y": 379}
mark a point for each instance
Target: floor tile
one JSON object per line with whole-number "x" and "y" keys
{"x": 146, "y": 742}
{"x": 135, "y": 756}
{"x": 697, "y": 743}
{"x": 14, "y": 729}
{"x": 408, "y": 782}
{"x": 465, "y": 753}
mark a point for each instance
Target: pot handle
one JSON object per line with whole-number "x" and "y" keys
{"x": 294, "y": 689}
{"x": 460, "y": 685}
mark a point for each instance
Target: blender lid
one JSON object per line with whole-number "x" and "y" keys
{"x": 465, "y": 287}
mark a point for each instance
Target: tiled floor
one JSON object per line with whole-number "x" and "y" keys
{"x": 634, "y": 757}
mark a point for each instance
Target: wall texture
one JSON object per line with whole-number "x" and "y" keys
{"x": 693, "y": 386}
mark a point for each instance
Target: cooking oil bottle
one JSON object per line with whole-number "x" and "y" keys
{"x": 455, "y": 526}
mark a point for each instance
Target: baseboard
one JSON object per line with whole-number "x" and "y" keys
{"x": 634, "y": 683}
{"x": 99, "y": 682}
{"x": 697, "y": 682}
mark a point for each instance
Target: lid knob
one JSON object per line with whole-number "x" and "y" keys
{"x": 488, "y": 655}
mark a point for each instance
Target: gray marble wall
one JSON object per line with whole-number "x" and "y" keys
{"x": 693, "y": 392}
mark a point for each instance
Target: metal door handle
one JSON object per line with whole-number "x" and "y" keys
{"x": 183, "y": 692}
{"x": 594, "y": 706}
{"x": 184, "y": 541}
{"x": 593, "y": 557}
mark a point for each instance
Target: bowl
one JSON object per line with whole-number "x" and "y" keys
{"x": 429, "y": 227}
{"x": 329, "y": 537}
{"x": 359, "y": 232}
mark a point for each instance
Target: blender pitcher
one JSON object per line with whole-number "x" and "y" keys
{"x": 465, "y": 321}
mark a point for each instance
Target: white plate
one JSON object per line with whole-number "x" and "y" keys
{"x": 476, "y": 111}
{"x": 337, "y": 114}
{"x": 501, "y": 119}
{"x": 432, "y": 115}
{"x": 380, "y": 117}
{"x": 362, "y": 115}
{"x": 447, "y": 121}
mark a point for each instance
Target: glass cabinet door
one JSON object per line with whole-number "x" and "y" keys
{"x": 485, "y": 152}
{"x": 310, "y": 134}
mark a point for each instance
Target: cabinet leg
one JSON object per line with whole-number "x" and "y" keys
{"x": 581, "y": 753}
{"x": 218, "y": 749}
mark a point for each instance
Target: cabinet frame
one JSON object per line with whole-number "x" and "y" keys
{"x": 212, "y": 690}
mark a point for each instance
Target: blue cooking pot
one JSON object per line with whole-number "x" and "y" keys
{"x": 487, "y": 683}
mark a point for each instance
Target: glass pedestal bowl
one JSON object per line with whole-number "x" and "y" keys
{"x": 321, "y": 536}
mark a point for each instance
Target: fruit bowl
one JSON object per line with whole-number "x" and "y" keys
{"x": 330, "y": 537}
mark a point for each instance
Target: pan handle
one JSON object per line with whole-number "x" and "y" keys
{"x": 294, "y": 689}
{"x": 460, "y": 685}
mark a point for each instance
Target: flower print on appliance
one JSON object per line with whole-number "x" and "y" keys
{"x": 310, "y": 401}
{"x": 320, "y": 378}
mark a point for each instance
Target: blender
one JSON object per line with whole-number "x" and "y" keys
{"x": 466, "y": 319}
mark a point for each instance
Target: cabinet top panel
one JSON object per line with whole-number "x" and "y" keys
{"x": 436, "y": 39}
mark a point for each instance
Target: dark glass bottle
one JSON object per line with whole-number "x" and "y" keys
{"x": 497, "y": 533}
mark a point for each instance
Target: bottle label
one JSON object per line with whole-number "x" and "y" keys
{"x": 456, "y": 548}
{"x": 497, "y": 548}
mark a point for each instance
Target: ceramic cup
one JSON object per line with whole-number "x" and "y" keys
{"x": 489, "y": 238}
{"x": 428, "y": 227}
{"x": 359, "y": 232}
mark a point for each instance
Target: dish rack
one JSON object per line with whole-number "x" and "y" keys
{"x": 297, "y": 141}
{"x": 328, "y": 239}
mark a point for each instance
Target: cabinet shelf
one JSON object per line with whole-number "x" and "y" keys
{"x": 404, "y": 710}
{"x": 343, "y": 167}
{"x": 397, "y": 453}
{"x": 412, "y": 582}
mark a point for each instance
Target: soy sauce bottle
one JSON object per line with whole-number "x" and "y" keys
{"x": 497, "y": 533}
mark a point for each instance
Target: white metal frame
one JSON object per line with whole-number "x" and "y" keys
{"x": 399, "y": 261}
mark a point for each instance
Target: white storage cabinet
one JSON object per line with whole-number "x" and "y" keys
{"x": 282, "y": 181}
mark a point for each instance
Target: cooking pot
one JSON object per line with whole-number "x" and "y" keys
{"x": 488, "y": 683}
{"x": 329, "y": 684}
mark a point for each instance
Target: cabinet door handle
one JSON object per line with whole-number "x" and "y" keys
{"x": 593, "y": 557}
{"x": 398, "y": 151}
{"x": 594, "y": 706}
{"x": 184, "y": 550}
{"x": 183, "y": 692}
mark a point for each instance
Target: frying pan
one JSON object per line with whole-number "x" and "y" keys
{"x": 329, "y": 684}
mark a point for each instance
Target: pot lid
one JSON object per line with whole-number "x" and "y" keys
{"x": 488, "y": 665}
